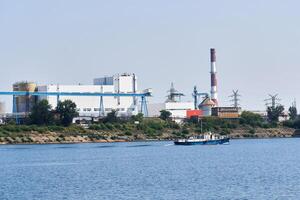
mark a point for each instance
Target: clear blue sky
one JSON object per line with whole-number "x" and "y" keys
{"x": 70, "y": 42}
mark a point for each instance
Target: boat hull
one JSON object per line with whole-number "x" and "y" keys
{"x": 207, "y": 142}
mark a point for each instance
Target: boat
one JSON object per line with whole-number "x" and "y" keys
{"x": 205, "y": 139}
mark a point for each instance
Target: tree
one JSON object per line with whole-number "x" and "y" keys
{"x": 111, "y": 117}
{"x": 274, "y": 113}
{"x": 293, "y": 112}
{"x": 165, "y": 115}
{"x": 251, "y": 119}
{"x": 66, "y": 111}
{"x": 41, "y": 113}
{"x": 139, "y": 117}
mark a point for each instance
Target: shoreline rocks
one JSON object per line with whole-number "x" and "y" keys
{"x": 106, "y": 137}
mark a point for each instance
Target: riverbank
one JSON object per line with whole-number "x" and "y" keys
{"x": 81, "y": 135}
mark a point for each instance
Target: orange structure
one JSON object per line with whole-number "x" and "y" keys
{"x": 193, "y": 113}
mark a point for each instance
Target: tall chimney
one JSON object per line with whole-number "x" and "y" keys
{"x": 213, "y": 72}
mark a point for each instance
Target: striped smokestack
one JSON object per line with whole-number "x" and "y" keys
{"x": 213, "y": 72}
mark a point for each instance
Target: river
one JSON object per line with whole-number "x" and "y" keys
{"x": 244, "y": 169}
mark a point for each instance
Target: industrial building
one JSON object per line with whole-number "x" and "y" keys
{"x": 24, "y": 104}
{"x": 91, "y": 105}
{"x": 118, "y": 92}
{"x": 2, "y": 108}
{"x": 204, "y": 104}
{"x": 226, "y": 112}
{"x": 173, "y": 104}
{"x": 2, "y": 112}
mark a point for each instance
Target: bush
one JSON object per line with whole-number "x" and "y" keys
{"x": 109, "y": 126}
{"x": 185, "y": 132}
{"x": 252, "y": 119}
{"x": 149, "y": 131}
{"x": 292, "y": 123}
{"x": 225, "y": 131}
{"x": 252, "y": 131}
{"x": 128, "y": 133}
{"x": 55, "y": 128}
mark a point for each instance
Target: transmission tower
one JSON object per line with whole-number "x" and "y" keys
{"x": 294, "y": 104}
{"x": 235, "y": 98}
{"x": 273, "y": 100}
{"x": 174, "y": 95}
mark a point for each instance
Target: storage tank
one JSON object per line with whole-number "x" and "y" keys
{"x": 24, "y": 103}
{"x": 2, "y": 108}
{"x": 206, "y": 106}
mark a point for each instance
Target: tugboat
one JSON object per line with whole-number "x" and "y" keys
{"x": 205, "y": 139}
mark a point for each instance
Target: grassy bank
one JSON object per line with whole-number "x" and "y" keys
{"x": 146, "y": 129}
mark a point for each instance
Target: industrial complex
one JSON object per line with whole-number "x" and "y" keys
{"x": 120, "y": 93}
{"x": 203, "y": 104}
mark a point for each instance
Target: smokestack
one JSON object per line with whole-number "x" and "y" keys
{"x": 213, "y": 72}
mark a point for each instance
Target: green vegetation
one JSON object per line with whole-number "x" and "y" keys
{"x": 165, "y": 115}
{"x": 8, "y": 129}
{"x": 251, "y": 119}
{"x": 41, "y": 114}
{"x": 293, "y": 123}
{"x": 136, "y": 127}
{"x": 66, "y": 111}
{"x": 274, "y": 112}
{"x": 293, "y": 112}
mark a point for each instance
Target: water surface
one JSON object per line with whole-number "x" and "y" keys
{"x": 245, "y": 169}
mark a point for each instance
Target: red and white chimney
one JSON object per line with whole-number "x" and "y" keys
{"x": 213, "y": 72}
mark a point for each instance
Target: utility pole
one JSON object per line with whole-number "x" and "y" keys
{"x": 294, "y": 104}
{"x": 235, "y": 98}
{"x": 273, "y": 100}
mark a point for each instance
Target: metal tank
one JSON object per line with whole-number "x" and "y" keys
{"x": 2, "y": 108}
{"x": 23, "y": 104}
{"x": 206, "y": 105}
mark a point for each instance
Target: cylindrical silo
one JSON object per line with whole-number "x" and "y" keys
{"x": 2, "y": 108}
{"x": 24, "y": 103}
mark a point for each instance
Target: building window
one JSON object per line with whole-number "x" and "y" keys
{"x": 89, "y": 109}
{"x": 96, "y": 109}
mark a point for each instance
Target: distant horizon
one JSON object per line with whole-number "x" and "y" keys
{"x": 71, "y": 42}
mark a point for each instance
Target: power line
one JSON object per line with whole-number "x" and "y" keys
{"x": 235, "y": 98}
{"x": 273, "y": 100}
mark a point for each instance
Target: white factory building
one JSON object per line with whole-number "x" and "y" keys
{"x": 173, "y": 104}
{"x": 177, "y": 109}
{"x": 89, "y": 105}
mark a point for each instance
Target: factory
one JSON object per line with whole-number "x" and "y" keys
{"x": 172, "y": 104}
{"x": 2, "y": 108}
{"x": 204, "y": 104}
{"x": 87, "y": 105}
{"x": 2, "y": 112}
{"x": 120, "y": 93}
{"x": 91, "y": 106}
{"x": 23, "y": 104}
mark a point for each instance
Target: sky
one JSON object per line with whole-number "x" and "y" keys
{"x": 161, "y": 41}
